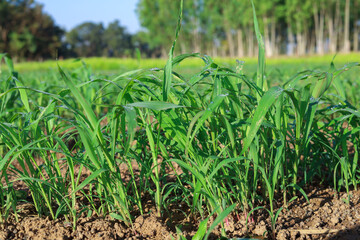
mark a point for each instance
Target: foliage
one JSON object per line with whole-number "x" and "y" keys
{"x": 290, "y": 27}
{"x": 90, "y": 39}
{"x": 27, "y": 32}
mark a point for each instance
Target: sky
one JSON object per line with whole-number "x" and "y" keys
{"x": 70, "y": 13}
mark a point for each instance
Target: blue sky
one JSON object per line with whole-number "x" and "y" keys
{"x": 69, "y": 13}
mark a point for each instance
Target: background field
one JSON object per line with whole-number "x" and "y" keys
{"x": 117, "y": 65}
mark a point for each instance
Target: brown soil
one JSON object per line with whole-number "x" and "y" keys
{"x": 325, "y": 216}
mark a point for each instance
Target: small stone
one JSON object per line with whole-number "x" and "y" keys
{"x": 260, "y": 228}
{"x": 334, "y": 220}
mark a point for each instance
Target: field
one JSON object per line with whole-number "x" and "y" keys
{"x": 212, "y": 143}
{"x": 187, "y": 147}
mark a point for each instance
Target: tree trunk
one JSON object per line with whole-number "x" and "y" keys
{"x": 183, "y": 47}
{"x": 240, "y": 45}
{"x": 196, "y": 41}
{"x": 306, "y": 43}
{"x": 337, "y": 27}
{"x": 346, "y": 48}
{"x": 229, "y": 39}
{"x": 250, "y": 42}
{"x": 267, "y": 43}
{"x": 223, "y": 52}
{"x": 356, "y": 27}
{"x": 4, "y": 36}
{"x": 164, "y": 53}
{"x": 214, "y": 49}
{"x": 356, "y": 39}
{"x": 273, "y": 38}
{"x": 300, "y": 39}
{"x": 291, "y": 40}
{"x": 319, "y": 28}
{"x": 332, "y": 43}
{"x": 312, "y": 43}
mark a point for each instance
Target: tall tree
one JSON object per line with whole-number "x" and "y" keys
{"x": 299, "y": 16}
{"x": 116, "y": 40}
{"x": 346, "y": 48}
{"x": 319, "y": 20}
{"x": 356, "y": 23}
{"x": 333, "y": 22}
{"x": 269, "y": 11}
{"x": 159, "y": 18}
{"x": 242, "y": 26}
{"x": 86, "y": 39}
{"x": 26, "y": 32}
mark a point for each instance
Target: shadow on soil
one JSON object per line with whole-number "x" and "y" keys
{"x": 348, "y": 234}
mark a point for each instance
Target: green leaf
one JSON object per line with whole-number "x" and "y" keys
{"x": 85, "y": 105}
{"x": 202, "y": 230}
{"x": 90, "y": 178}
{"x": 322, "y": 85}
{"x": 169, "y": 64}
{"x": 116, "y": 216}
{"x": 154, "y": 105}
{"x": 266, "y": 102}
{"x": 300, "y": 190}
{"x": 261, "y": 56}
{"x": 219, "y": 219}
{"x": 203, "y": 116}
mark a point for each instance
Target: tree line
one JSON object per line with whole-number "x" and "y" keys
{"x": 225, "y": 28}
{"x": 217, "y": 28}
{"x": 28, "y": 33}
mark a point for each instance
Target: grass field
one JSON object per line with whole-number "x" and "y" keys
{"x": 207, "y": 134}
{"x": 115, "y": 64}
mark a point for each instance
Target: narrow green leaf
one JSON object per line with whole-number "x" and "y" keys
{"x": 204, "y": 116}
{"x": 261, "y": 56}
{"x": 90, "y": 178}
{"x": 117, "y": 216}
{"x": 154, "y": 105}
{"x": 322, "y": 85}
{"x": 219, "y": 219}
{"x": 201, "y": 230}
{"x": 85, "y": 105}
{"x": 300, "y": 190}
{"x": 264, "y": 105}
{"x": 169, "y": 64}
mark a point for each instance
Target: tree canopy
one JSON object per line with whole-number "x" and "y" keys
{"x": 26, "y": 31}
{"x": 225, "y": 27}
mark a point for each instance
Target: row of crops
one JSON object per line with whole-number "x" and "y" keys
{"x": 217, "y": 141}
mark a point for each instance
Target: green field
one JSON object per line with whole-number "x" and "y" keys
{"x": 103, "y": 136}
{"x": 229, "y": 131}
{"x": 117, "y": 65}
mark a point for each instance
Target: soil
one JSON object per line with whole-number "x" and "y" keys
{"x": 325, "y": 216}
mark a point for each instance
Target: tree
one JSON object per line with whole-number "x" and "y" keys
{"x": 159, "y": 18}
{"x": 346, "y": 48}
{"x": 319, "y": 20}
{"x": 333, "y": 23}
{"x": 86, "y": 39}
{"x": 26, "y": 32}
{"x": 298, "y": 15}
{"x": 356, "y": 23}
{"x": 116, "y": 40}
